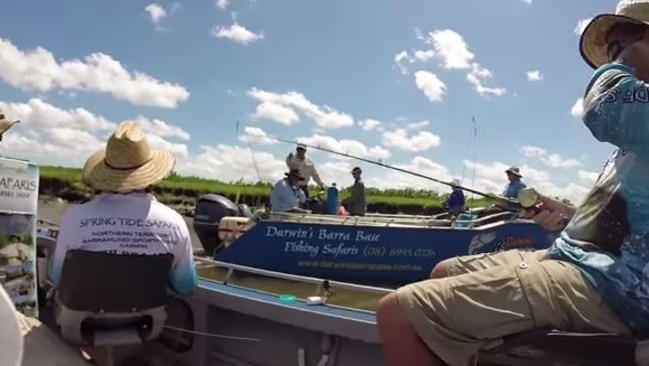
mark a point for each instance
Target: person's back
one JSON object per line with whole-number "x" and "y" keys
{"x": 125, "y": 219}
{"x": 133, "y": 223}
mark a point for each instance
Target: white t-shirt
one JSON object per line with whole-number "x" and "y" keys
{"x": 128, "y": 223}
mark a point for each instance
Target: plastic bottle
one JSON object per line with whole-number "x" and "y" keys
{"x": 332, "y": 200}
{"x": 287, "y": 298}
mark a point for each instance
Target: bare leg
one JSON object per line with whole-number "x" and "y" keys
{"x": 401, "y": 344}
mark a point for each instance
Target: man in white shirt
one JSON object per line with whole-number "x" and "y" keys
{"x": 125, "y": 218}
{"x": 306, "y": 168}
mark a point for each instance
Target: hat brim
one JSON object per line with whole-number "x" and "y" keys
{"x": 592, "y": 44}
{"x": 509, "y": 171}
{"x": 102, "y": 177}
{"x": 6, "y": 124}
{"x": 299, "y": 177}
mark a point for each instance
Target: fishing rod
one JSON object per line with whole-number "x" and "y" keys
{"x": 381, "y": 164}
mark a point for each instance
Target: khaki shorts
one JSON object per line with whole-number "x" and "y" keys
{"x": 488, "y": 296}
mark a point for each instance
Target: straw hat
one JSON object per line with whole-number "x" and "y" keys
{"x": 514, "y": 170}
{"x": 128, "y": 163}
{"x": 5, "y": 123}
{"x": 593, "y": 40}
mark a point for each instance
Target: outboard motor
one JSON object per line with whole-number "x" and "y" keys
{"x": 244, "y": 210}
{"x": 210, "y": 209}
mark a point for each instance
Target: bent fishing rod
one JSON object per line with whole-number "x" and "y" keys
{"x": 381, "y": 164}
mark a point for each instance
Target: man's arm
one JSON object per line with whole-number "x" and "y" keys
{"x": 183, "y": 277}
{"x": 316, "y": 176}
{"x": 613, "y": 111}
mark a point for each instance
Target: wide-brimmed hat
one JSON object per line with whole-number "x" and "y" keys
{"x": 5, "y": 123}
{"x": 356, "y": 170}
{"x": 300, "y": 147}
{"x": 593, "y": 42}
{"x": 514, "y": 170}
{"x": 455, "y": 183}
{"x": 294, "y": 173}
{"x": 128, "y": 163}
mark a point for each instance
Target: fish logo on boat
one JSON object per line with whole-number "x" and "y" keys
{"x": 481, "y": 240}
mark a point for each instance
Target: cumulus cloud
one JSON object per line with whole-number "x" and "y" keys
{"x": 237, "y": 33}
{"x": 283, "y": 108}
{"x": 534, "y": 75}
{"x": 549, "y": 159}
{"x": 38, "y": 70}
{"x": 433, "y": 88}
{"x": 577, "y": 109}
{"x": 452, "y": 53}
{"x": 581, "y": 25}
{"x": 400, "y": 139}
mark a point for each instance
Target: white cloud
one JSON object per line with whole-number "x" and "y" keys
{"x": 417, "y": 125}
{"x": 551, "y": 160}
{"x": 534, "y": 75}
{"x": 346, "y": 146}
{"x": 577, "y": 109}
{"x": 400, "y": 139}
{"x": 38, "y": 70}
{"x": 222, "y": 4}
{"x": 369, "y": 124}
{"x": 588, "y": 177}
{"x": 156, "y": 12}
{"x": 284, "y": 108}
{"x": 237, "y": 33}
{"x": 52, "y": 134}
{"x": 256, "y": 135}
{"x": 429, "y": 83}
{"x": 581, "y": 25}
{"x": 452, "y": 53}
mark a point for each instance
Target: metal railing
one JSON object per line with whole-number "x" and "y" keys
{"x": 291, "y": 277}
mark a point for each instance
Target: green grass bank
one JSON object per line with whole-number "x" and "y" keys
{"x": 180, "y": 191}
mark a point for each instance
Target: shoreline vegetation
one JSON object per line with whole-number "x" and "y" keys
{"x": 181, "y": 192}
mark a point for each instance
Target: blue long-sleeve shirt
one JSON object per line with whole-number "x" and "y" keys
{"x": 608, "y": 237}
{"x": 284, "y": 197}
{"x": 512, "y": 189}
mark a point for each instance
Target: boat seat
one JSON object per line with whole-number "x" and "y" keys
{"x": 547, "y": 346}
{"x": 109, "y": 299}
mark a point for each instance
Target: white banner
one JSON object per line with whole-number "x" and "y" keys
{"x": 18, "y": 213}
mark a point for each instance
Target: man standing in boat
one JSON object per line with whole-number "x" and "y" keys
{"x": 125, "y": 218}
{"x": 357, "y": 202}
{"x": 514, "y": 177}
{"x": 595, "y": 275}
{"x": 305, "y": 166}
{"x": 287, "y": 196}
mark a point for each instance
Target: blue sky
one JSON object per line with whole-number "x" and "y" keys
{"x": 311, "y": 70}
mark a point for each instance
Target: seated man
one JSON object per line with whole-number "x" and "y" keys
{"x": 594, "y": 277}
{"x": 456, "y": 202}
{"x": 126, "y": 211}
{"x": 286, "y": 195}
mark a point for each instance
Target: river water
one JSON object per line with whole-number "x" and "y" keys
{"x": 54, "y": 211}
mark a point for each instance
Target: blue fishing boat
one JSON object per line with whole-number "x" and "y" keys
{"x": 385, "y": 249}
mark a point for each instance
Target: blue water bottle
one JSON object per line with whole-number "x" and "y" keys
{"x": 332, "y": 200}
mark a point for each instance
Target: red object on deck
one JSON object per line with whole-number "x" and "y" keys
{"x": 342, "y": 211}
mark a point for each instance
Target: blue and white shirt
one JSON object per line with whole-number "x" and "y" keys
{"x": 608, "y": 237}
{"x": 128, "y": 223}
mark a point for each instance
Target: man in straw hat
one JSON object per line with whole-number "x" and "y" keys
{"x": 125, "y": 218}
{"x": 595, "y": 275}
{"x": 287, "y": 196}
{"x": 5, "y": 124}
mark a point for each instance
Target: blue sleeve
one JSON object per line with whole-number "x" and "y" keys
{"x": 616, "y": 108}
{"x": 183, "y": 278}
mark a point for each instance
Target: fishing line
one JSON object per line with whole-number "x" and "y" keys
{"x": 379, "y": 163}
{"x": 252, "y": 152}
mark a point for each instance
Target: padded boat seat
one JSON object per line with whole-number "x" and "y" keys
{"x": 109, "y": 299}
{"x": 546, "y": 347}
